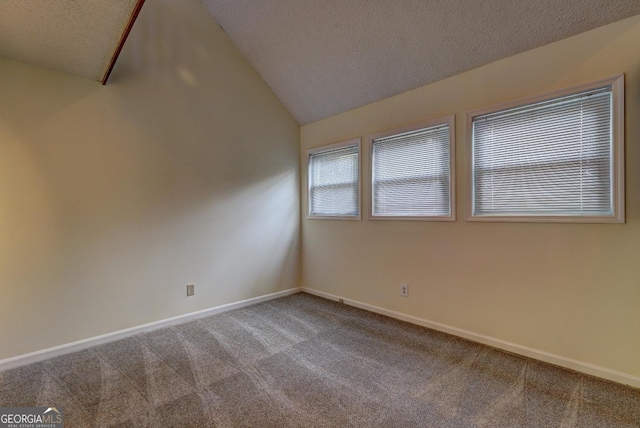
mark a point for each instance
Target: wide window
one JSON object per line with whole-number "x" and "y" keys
{"x": 551, "y": 159}
{"x": 334, "y": 181}
{"x": 411, "y": 172}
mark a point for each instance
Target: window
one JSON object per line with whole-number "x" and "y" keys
{"x": 412, "y": 172}
{"x": 334, "y": 181}
{"x": 554, "y": 158}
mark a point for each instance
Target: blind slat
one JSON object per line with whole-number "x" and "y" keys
{"x": 411, "y": 173}
{"x": 550, "y": 158}
{"x": 334, "y": 182}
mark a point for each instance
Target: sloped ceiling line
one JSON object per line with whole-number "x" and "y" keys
{"x": 123, "y": 39}
{"x": 324, "y": 57}
{"x": 71, "y": 36}
{"x": 320, "y": 57}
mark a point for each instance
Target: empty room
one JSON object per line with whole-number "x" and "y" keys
{"x": 241, "y": 213}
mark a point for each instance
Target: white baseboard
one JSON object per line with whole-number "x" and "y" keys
{"x": 580, "y": 366}
{"x": 569, "y": 363}
{"x": 67, "y": 348}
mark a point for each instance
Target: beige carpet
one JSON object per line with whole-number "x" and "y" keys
{"x": 302, "y": 361}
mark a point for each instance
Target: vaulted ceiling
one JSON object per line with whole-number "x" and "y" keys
{"x": 324, "y": 57}
{"x": 77, "y": 37}
{"x": 320, "y": 57}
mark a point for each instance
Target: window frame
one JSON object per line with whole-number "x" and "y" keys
{"x": 616, "y": 83}
{"x": 326, "y": 148}
{"x": 447, "y": 120}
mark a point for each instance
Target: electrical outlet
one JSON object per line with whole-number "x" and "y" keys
{"x": 404, "y": 290}
{"x": 191, "y": 289}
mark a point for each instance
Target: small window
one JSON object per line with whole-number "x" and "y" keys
{"x": 554, "y": 158}
{"x": 334, "y": 181}
{"x": 412, "y": 173}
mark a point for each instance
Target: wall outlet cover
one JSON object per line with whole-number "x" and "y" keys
{"x": 404, "y": 290}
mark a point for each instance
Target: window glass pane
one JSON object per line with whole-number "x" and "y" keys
{"x": 411, "y": 173}
{"x": 333, "y": 182}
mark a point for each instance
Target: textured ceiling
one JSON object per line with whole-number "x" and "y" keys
{"x": 74, "y": 36}
{"x": 324, "y": 57}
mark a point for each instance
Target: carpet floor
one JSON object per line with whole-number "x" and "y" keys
{"x": 303, "y": 361}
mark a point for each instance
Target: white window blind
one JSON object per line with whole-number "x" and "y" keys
{"x": 552, "y": 158}
{"x": 334, "y": 188}
{"x": 411, "y": 173}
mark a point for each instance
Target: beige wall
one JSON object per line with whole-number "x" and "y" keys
{"x": 183, "y": 169}
{"x": 568, "y": 289}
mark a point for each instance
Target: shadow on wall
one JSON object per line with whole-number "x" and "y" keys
{"x": 199, "y": 98}
{"x": 632, "y": 151}
{"x": 183, "y": 169}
